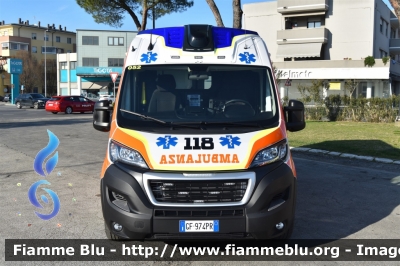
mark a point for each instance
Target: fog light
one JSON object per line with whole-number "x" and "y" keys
{"x": 279, "y": 226}
{"x": 117, "y": 227}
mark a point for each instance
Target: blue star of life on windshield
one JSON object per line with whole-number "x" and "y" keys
{"x": 149, "y": 57}
{"x": 166, "y": 141}
{"x": 230, "y": 141}
{"x": 246, "y": 57}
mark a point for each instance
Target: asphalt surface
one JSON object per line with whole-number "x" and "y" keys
{"x": 337, "y": 198}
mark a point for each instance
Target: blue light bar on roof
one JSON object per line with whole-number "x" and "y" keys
{"x": 223, "y": 36}
{"x": 173, "y": 36}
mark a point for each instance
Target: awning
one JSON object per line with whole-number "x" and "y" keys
{"x": 299, "y": 50}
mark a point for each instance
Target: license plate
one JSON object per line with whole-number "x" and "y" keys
{"x": 198, "y": 226}
{"x": 50, "y": 104}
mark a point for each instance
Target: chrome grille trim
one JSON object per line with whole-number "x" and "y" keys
{"x": 250, "y": 176}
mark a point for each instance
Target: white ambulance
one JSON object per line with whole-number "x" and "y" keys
{"x": 197, "y": 143}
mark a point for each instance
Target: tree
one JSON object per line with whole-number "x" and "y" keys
{"x": 30, "y": 76}
{"x": 51, "y": 76}
{"x": 350, "y": 85}
{"x": 111, "y": 12}
{"x": 215, "y": 11}
{"x": 237, "y": 13}
{"x": 396, "y": 6}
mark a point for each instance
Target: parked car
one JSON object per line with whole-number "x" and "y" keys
{"x": 7, "y": 97}
{"x": 110, "y": 98}
{"x": 69, "y": 104}
{"x": 32, "y": 100}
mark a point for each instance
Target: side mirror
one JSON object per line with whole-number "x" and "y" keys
{"x": 295, "y": 116}
{"x": 101, "y": 116}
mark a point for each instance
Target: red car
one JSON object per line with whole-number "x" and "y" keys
{"x": 69, "y": 104}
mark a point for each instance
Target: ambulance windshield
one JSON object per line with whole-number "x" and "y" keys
{"x": 197, "y": 94}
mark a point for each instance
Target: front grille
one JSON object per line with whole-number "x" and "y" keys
{"x": 206, "y": 236}
{"x": 198, "y": 191}
{"x": 216, "y": 213}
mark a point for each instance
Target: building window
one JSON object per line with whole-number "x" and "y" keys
{"x": 86, "y": 61}
{"x": 34, "y": 49}
{"x": 72, "y": 65}
{"x": 387, "y": 29}
{"x": 49, "y": 50}
{"x": 392, "y": 33}
{"x": 68, "y": 51}
{"x": 46, "y": 38}
{"x": 69, "y": 40}
{"x": 383, "y": 53}
{"x": 33, "y": 36}
{"x": 115, "y": 41}
{"x": 115, "y": 62}
{"x": 90, "y": 40}
{"x": 5, "y": 33}
{"x": 314, "y": 24}
{"x": 58, "y": 38}
{"x": 63, "y": 65}
{"x": 381, "y": 25}
{"x": 14, "y": 46}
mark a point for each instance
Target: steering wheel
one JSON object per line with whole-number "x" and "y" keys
{"x": 239, "y": 108}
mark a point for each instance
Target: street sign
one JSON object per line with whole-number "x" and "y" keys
{"x": 288, "y": 82}
{"x": 114, "y": 76}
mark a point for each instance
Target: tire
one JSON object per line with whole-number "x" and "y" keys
{"x": 36, "y": 105}
{"x": 55, "y": 113}
{"x": 110, "y": 235}
{"x": 18, "y": 104}
{"x": 68, "y": 110}
{"x": 82, "y": 112}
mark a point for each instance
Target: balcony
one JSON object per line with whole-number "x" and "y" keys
{"x": 315, "y": 35}
{"x": 394, "y": 21}
{"x": 394, "y": 46}
{"x": 301, "y": 6}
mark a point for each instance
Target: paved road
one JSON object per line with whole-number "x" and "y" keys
{"x": 337, "y": 198}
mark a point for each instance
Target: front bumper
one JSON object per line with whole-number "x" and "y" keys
{"x": 272, "y": 201}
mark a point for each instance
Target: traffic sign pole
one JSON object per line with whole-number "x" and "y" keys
{"x": 114, "y": 76}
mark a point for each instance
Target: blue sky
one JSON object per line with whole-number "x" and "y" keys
{"x": 68, "y": 14}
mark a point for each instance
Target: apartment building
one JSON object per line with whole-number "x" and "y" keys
{"x": 42, "y": 41}
{"x": 99, "y": 52}
{"x": 328, "y": 40}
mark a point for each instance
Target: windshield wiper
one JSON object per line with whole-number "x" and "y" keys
{"x": 157, "y": 120}
{"x": 204, "y": 123}
{"x": 144, "y": 116}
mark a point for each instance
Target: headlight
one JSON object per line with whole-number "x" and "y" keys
{"x": 270, "y": 154}
{"x": 40, "y": 101}
{"x": 126, "y": 155}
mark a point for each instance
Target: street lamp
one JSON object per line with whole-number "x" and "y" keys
{"x": 45, "y": 65}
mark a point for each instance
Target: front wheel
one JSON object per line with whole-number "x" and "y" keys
{"x": 19, "y": 106}
{"x": 68, "y": 110}
{"x": 36, "y": 105}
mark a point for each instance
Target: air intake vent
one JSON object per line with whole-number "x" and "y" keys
{"x": 215, "y": 213}
{"x": 198, "y": 191}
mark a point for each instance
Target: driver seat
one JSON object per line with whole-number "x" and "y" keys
{"x": 163, "y": 98}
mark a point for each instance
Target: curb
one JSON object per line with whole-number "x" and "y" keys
{"x": 345, "y": 155}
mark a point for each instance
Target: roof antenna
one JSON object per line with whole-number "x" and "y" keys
{"x": 151, "y": 46}
{"x": 245, "y": 43}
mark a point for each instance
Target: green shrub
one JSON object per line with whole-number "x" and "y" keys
{"x": 385, "y": 59}
{"x": 342, "y": 108}
{"x": 369, "y": 61}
